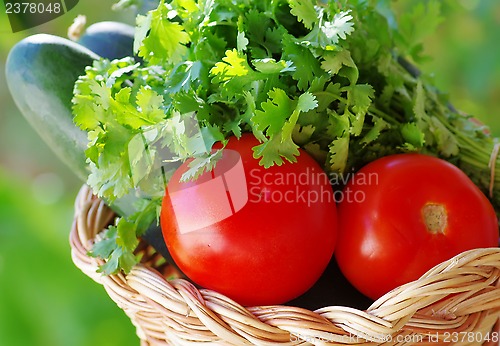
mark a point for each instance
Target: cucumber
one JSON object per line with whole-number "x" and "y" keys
{"x": 41, "y": 71}
{"x": 148, "y": 5}
{"x": 110, "y": 40}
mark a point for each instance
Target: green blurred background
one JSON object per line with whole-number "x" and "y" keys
{"x": 44, "y": 299}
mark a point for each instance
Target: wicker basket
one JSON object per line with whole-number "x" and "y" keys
{"x": 457, "y": 302}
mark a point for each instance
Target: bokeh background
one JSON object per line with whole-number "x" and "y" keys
{"x": 44, "y": 299}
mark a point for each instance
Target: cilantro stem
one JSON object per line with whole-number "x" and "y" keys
{"x": 327, "y": 93}
{"x": 474, "y": 162}
{"x": 383, "y": 115}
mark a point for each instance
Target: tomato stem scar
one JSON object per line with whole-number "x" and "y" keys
{"x": 435, "y": 218}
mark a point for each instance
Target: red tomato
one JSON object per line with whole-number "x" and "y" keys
{"x": 403, "y": 214}
{"x": 260, "y": 236}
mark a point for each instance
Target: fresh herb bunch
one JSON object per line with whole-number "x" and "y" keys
{"x": 333, "y": 77}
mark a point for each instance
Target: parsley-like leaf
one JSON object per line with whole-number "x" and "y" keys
{"x": 166, "y": 40}
{"x": 304, "y": 11}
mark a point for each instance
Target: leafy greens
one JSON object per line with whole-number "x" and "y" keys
{"x": 331, "y": 77}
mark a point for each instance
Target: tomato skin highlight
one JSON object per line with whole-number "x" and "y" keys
{"x": 385, "y": 241}
{"x": 268, "y": 252}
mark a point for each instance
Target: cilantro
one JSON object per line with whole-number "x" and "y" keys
{"x": 332, "y": 77}
{"x": 339, "y": 27}
{"x": 232, "y": 65}
{"x": 165, "y": 39}
{"x": 304, "y": 11}
{"x": 334, "y": 61}
{"x": 413, "y": 136}
{"x": 119, "y": 241}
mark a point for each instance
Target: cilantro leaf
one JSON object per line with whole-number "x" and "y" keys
{"x": 305, "y": 103}
{"x": 307, "y": 66}
{"x": 271, "y": 66}
{"x": 233, "y": 64}
{"x": 200, "y": 165}
{"x": 339, "y": 27}
{"x": 339, "y": 151}
{"x": 272, "y": 151}
{"x": 278, "y": 118}
{"x": 360, "y": 97}
{"x": 304, "y": 11}
{"x": 326, "y": 35}
{"x": 413, "y": 135}
{"x": 374, "y": 133}
{"x": 143, "y": 25}
{"x": 447, "y": 144}
{"x": 117, "y": 248}
{"x": 302, "y": 134}
{"x": 275, "y": 111}
{"x": 166, "y": 40}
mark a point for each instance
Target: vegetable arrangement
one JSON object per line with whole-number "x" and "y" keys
{"x": 296, "y": 82}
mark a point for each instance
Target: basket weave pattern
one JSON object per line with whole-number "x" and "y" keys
{"x": 458, "y": 299}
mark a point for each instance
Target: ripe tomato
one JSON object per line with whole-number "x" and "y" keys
{"x": 260, "y": 236}
{"x": 411, "y": 213}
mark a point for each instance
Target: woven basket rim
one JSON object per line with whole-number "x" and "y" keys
{"x": 457, "y": 298}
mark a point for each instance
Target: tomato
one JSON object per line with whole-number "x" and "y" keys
{"x": 259, "y": 236}
{"x": 404, "y": 214}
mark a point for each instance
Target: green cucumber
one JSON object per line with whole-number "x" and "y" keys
{"x": 41, "y": 71}
{"x": 147, "y": 5}
{"x": 110, "y": 40}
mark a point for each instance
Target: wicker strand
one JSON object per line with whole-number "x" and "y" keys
{"x": 461, "y": 295}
